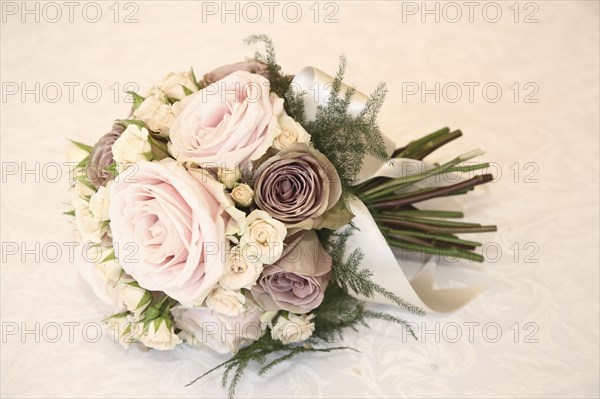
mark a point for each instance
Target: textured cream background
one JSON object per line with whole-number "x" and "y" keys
{"x": 558, "y": 213}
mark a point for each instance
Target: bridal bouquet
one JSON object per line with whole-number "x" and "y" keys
{"x": 254, "y": 212}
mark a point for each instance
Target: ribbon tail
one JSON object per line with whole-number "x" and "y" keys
{"x": 441, "y": 300}
{"x": 381, "y": 260}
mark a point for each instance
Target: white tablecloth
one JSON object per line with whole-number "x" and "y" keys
{"x": 543, "y": 285}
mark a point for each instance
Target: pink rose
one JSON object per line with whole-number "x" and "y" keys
{"x": 227, "y": 123}
{"x": 177, "y": 222}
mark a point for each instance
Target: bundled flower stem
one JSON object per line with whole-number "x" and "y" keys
{"x": 408, "y": 228}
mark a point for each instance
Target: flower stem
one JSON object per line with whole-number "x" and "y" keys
{"x": 393, "y": 185}
{"x": 423, "y": 196}
{"x": 422, "y": 213}
{"x": 433, "y": 145}
{"x": 415, "y": 145}
{"x": 446, "y": 251}
{"x": 390, "y": 222}
{"x": 436, "y": 237}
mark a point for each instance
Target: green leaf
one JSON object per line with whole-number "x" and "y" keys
{"x": 158, "y": 148}
{"x": 196, "y": 82}
{"x": 83, "y": 162}
{"x": 137, "y": 99}
{"x": 349, "y": 275}
{"x": 109, "y": 257}
{"x": 82, "y": 146}
{"x": 344, "y": 138}
{"x": 69, "y": 213}
{"x": 127, "y": 122}
{"x": 151, "y": 314}
{"x": 113, "y": 168}
{"x": 144, "y": 300}
{"x": 186, "y": 91}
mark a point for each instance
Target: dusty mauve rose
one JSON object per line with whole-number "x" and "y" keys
{"x": 297, "y": 281}
{"x": 170, "y": 227}
{"x": 227, "y": 123}
{"x": 101, "y": 157}
{"x": 250, "y": 65}
{"x": 297, "y": 186}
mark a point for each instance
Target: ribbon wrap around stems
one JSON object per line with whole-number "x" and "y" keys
{"x": 316, "y": 88}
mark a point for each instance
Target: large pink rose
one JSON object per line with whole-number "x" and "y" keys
{"x": 176, "y": 221}
{"x": 227, "y": 123}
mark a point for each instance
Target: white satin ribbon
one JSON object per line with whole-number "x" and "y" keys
{"x": 378, "y": 256}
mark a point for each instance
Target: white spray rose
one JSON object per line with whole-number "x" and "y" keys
{"x": 263, "y": 238}
{"x": 124, "y": 329}
{"x": 160, "y": 335}
{"x": 89, "y": 227}
{"x": 101, "y": 276}
{"x": 293, "y": 328}
{"x": 226, "y": 302}
{"x": 80, "y": 194}
{"x": 266, "y": 319}
{"x": 288, "y": 132}
{"x": 229, "y": 176}
{"x": 173, "y": 84}
{"x": 99, "y": 202}
{"x": 107, "y": 266}
{"x": 135, "y": 298}
{"x": 131, "y": 146}
{"x": 156, "y": 114}
{"x": 241, "y": 272}
{"x": 110, "y": 271}
{"x": 242, "y": 195}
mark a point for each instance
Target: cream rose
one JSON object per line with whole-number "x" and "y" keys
{"x": 160, "y": 335}
{"x": 124, "y": 329}
{"x": 263, "y": 239}
{"x": 229, "y": 176}
{"x": 89, "y": 227}
{"x": 171, "y": 224}
{"x": 227, "y": 123}
{"x": 242, "y": 195}
{"x": 99, "y": 202}
{"x": 156, "y": 114}
{"x": 293, "y": 328}
{"x": 132, "y": 146}
{"x": 80, "y": 194}
{"x": 172, "y": 85}
{"x": 242, "y": 272}
{"x": 108, "y": 267}
{"x": 135, "y": 298}
{"x": 226, "y": 302}
{"x": 102, "y": 276}
{"x": 289, "y": 132}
